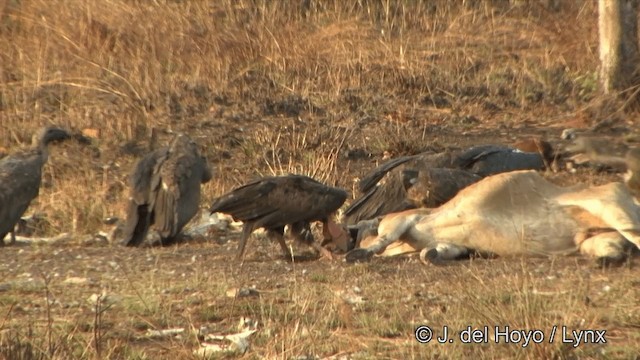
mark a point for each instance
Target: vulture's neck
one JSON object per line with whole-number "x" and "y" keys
{"x": 43, "y": 150}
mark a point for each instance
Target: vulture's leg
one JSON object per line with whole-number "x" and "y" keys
{"x": 2, "y": 238}
{"x": 247, "y": 229}
{"x": 278, "y": 235}
{"x": 13, "y": 237}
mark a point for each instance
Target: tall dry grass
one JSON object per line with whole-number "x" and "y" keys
{"x": 253, "y": 80}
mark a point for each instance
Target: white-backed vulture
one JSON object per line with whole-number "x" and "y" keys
{"x": 20, "y": 178}
{"x": 165, "y": 191}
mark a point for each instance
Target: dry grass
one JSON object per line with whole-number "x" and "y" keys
{"x": 308, "y": 309}
{"x": 242, "y": 74}
{"x": 270, "y": 87}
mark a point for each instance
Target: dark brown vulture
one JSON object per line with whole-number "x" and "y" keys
{"x": 20, "y": 177}
{"x": 431, "y": 188}
{"x": 608, "y": 152}
{"x": 486, "y": 160}
{"x": 384, "y": 190}
{"x": 274, "y": 202}
{"x": 431, "y": 179}
{"x": 165, "y": 191}
{"x": 597, "y": 150}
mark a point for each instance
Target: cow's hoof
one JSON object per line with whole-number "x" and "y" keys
{"x": 430, "y": 256}
{"x": 358, "y": 255}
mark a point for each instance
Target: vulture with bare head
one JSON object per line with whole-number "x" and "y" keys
{"x": 165, "y": 191}
{"x": 274, "y": 202}
{"x": 20, "y": 178}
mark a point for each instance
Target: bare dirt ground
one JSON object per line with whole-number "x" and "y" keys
{"x": 321, "y": 88}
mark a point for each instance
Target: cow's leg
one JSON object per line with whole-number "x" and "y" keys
{"x": 442, "y": 252}
{"x": 610, "y": 248}
{"x": 367, "y": 228}
{"x": 336, "y": 235}
{"x": 391, "y": 228}
{"x": 622, "y": 210}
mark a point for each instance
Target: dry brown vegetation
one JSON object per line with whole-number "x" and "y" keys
{"x": 268, "y": 87}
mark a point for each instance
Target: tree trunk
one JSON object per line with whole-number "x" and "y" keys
{"x": 618, "y": 26}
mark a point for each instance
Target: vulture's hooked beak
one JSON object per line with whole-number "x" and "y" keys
{"x": 57, "y": 134}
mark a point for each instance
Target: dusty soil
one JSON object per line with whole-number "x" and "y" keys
{"x": 309, "y": 309}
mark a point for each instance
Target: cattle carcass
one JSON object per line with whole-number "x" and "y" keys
{"x": 516, "y": 213}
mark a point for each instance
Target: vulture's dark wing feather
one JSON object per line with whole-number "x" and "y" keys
{"x": 468, "y": 157}
{"x": 143, "y": 181}
{"x": 433, "y": 160}
{"x": 178, "y": 196}
{"x": 380, "y": 200}
{"x": 490, "y": 160}
{"x": 386, "y": 185}
{"x": 373, "y": 177}
{"x": 277, "y": 201}
{"x": 20, "y": 177}
{"x": 246, "y": 203}
{"x": 165, "y": 191}
{"x": 301, "y": 198}
{"x": 422, "y": 160}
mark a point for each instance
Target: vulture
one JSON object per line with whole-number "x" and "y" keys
{"x": 486, "y": 160}
{"x": 274, "y": 202}
{"x": 431, "y": 179}
{"x": 609, "y": 152}
{"x": 20, "y": 177}
{"x": 385, "y": 189}
{"x": 165, "y": 191}
{"x": 596, "y": 150}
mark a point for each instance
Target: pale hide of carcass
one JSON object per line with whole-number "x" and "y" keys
{"x": 515, "y": 213}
